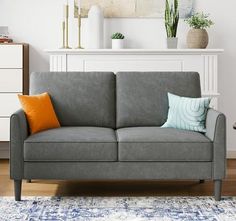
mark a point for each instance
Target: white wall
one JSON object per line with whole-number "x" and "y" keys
{"x": 38, "y": 22}
{"x": 223, "y": 35}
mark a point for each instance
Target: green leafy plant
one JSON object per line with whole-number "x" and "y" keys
{"x": 117, "y": 36}
{"x": 171, "y": 18}
{"x": 199, "y": 21}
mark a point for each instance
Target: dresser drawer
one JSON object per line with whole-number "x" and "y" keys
{"x": 11, "y": 56}
{"x": 11, "y": 80}
{"x": 9, "y": 104}
{"x": 4, "y": 129}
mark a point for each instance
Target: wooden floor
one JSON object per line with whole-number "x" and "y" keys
{"x": 138, "y": 188}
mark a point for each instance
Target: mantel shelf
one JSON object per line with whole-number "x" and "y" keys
{"x": 135, "y": 51}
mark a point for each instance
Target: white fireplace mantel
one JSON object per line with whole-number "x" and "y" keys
{"x": 135, "y": 51}
{"x": 203, "y": 61}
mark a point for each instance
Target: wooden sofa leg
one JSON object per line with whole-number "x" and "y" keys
{"x": 17, "y": 187}
{"x": 201, "y": 181}
{"x": 217, "y": 189}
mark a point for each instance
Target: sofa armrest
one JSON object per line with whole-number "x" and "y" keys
{"x": 18, "y": 133}
{"x": 216, "y": 132}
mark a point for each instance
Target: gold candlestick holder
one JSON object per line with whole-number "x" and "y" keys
{"x": 67, "y": 28}
{"x": 63, "y": 36}
{"x": 79, "y": 32}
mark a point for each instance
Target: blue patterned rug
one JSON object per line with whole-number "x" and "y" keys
{"x": 118, "y": 208}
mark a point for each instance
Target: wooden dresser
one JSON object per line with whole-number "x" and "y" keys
{"x": 14, "y": 79}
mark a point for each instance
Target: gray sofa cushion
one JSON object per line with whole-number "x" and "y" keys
{"x": 72, "y": 144}
{"x": 142, "y": 97}
{"x": 162, "y": 144}
{"x": 79, "y": 98}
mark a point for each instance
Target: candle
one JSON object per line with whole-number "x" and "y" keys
{"x": 65, "y": 11}
{"x": 79, "y": 7}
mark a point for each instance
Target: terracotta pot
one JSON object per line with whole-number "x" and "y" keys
{"x": 197, "y": 38}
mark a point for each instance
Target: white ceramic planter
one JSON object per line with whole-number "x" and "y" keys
{"x": 95, "y": 28}
{"x": 118, "y": 43}
{"x": 172, "y": 43}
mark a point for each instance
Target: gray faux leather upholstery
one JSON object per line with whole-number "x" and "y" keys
{"x": 142, "y": 96}
{"x": 79, "y": 98}
{"x": 162, "y": 144}
{"x": 72, "y": 144}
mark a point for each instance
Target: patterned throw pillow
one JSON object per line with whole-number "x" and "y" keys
{"x": 187, "y": 113}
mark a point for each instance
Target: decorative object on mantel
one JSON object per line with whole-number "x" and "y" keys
{"x": 95, "y": 28}
{"x": 4, "y": 35}
{"x": 133, "y": 8}
{"x": 65, "y": 26}
{"x": 79, "y": 24}
{"x": 197, "y": 36}
{"x": 171, "y": 23}
{"x": 63, "y": 35}
{"x": 117, "y": 40}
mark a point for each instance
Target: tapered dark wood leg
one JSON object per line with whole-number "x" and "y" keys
{"x": 17, "y": 187}
{"x": 217, "y": 189}
{"x": 28, "y": 181}
{"x": 201, "y": 181}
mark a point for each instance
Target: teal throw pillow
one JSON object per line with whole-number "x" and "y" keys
{"x": 187, "y": 113}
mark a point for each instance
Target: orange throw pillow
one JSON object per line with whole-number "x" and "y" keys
{"x": 39, "y": 112}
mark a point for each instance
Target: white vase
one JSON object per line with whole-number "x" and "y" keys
{"x": 95, "y": 28}
{"x": 117, "y": 43}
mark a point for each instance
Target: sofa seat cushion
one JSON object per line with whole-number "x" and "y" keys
{"x": 162, "y": 144}
{"x": 72, "y": 144}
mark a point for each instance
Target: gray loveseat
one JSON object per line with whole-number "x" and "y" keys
{"x": 111, "y": 131}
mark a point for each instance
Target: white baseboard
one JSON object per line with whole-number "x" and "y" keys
{"x": 231, "y": 154}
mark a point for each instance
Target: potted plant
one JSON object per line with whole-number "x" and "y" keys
{"x": 171, "y": 23}
{"x": 117, "y": 40}
{"x": 197, "y": 36}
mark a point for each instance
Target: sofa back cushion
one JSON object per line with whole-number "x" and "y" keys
{"x": 79, "y": 98}
{"x": 142, "y": 96}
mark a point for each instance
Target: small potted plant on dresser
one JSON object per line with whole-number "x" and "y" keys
{"x": 171, "y": 23}
{"x": 197, "y": 36}
{"x": 117, "y": 40}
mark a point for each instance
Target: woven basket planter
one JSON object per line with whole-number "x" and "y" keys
{"x": 197, "y": 38}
